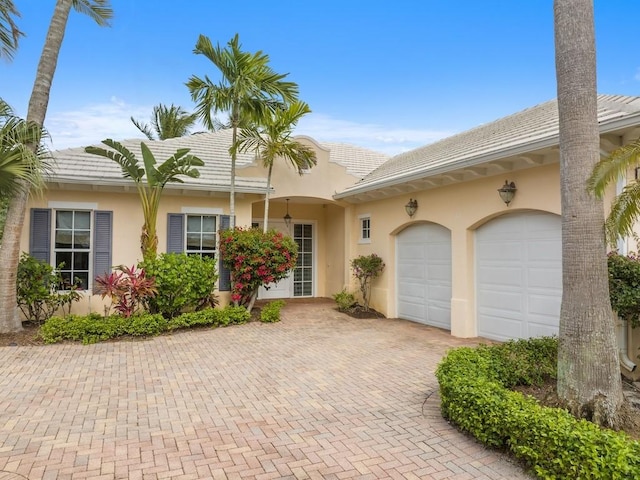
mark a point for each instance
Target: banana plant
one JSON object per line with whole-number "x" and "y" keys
{"x": 150, "y": 181}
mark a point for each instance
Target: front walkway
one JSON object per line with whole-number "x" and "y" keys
{"x": 319, "y": 395}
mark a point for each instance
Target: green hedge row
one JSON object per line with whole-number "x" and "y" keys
{"x": 475, "y": 392}
{"x": 95, "y": 328}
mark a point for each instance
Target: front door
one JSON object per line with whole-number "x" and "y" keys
{"x": 299, "y": 283}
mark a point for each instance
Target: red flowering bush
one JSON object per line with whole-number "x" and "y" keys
{"x": 127, "y": 287}
{"x": 255, "y": 259}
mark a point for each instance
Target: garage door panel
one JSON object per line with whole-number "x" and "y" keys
{"x": 424, "y": 274}
{"x": 518, "y": 294}
{"x": 501, "y": 251}
{"x": 550, "y": 278}
{"x": 500, "y": 300}
{"x": 500, "y": 275}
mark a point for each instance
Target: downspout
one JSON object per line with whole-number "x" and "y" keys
{"x": 622, "y": 330}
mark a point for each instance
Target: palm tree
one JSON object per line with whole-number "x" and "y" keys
{"x": 150, "y": 181}
{"x": 625, "y": 209}
{"x": 100, "y": 11}
{"x": 272, "y": 139}
{"x": 248, "y": 88}
{"x": 167, "y": 122}
{"x": 588, "y": 369}
{"x": 9, "y": 32}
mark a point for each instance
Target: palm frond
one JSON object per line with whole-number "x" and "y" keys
{"x": 144, "y": 128}
{"x": 122, "y": 156}
{"x": 614, "y": 166}
{"x": 99, "y": 11}
{"x": 9, "y": 32}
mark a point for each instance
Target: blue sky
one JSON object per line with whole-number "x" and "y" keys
{"x": 386, "y": 75}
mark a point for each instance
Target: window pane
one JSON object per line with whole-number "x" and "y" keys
{"x": 306, "y": 259}
{"x": 66, "y": 281}
{"x": 306, "y": 276}
{"x": 306, "y": 289}
{"x": 64, "y": 220}
{"x": 209, "y": 254}
{"x": 297, "y": 230}
{"x": 63, "y": 257}
{"x": 208, "y": 241}
{"x": 297, "y": 275}
{"x": 81, "y": 261}
{"x": 306, "y": 245}
{"x": 83, "y": 278}
{"x": 307, "y": 231}
{"x": 194, "y": 223}
{"x": 82, "y": 221}
{"x": 297, "y": 289}
{"x": 209, "y": 223}
{"x": 82, "y": 239}
{"x": 63, "y": 239}
{"x": 193, "y": 241}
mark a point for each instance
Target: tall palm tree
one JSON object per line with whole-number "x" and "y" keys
{"x": 150, "y": 181}
{"x": 588, "y": 369}
{"x": 272, "y": 139}
{"x": 625, "y": 209}
{"x": 9, "y": 32}
{"x": 248, "y": 88}
{"x": 100, "y": 11}
{"x": 167, "y": 122}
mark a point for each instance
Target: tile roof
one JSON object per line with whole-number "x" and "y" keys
{"x": 75, "y": 166}
{"x": 523, "y": 131}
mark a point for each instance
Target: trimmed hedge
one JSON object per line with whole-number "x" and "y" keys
{"x": 475, "y": 392}
{"x": 95, "y": 328}
{"x": 270, "y": 313}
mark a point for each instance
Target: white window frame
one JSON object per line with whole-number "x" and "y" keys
{"x": 201, "y": 214}
{"x": 72, "y": 207}
{"x": 365, "y": 231}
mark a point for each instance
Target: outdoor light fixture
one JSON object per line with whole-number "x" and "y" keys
{"x": 287, "y": 217}
{"x": 411, "y": 207}
{"x": 507, "y": 192}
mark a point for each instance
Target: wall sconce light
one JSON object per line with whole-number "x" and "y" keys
{"x": 287, "y": 217}
{"x": 507, "y": 192}
{"x": 411, "y": 207}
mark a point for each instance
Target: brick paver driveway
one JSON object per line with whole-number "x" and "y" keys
{"x": 319, "y": 395}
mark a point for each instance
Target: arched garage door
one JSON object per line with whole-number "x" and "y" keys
{"x": 519, "y": 276}
{"x": 424, "y": 274}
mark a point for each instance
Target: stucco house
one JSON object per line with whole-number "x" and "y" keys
{"x": 465, "y": 260}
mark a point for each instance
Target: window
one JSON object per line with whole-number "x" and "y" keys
{"x": 201, "y": 235}
{"x": 303, "y": 271}
{"x": 365, "y": 229}
{"x": 72, "y": 246}
{"x": 77, "y": 236}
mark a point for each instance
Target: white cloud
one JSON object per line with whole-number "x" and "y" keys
{"x": 382, "y": 138}
{"x": 93, "y": 123}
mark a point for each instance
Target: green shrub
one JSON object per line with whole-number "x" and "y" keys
{"x": 270, "y": 313}
{"x": 37, "y": 289}
{"x": 624, "y": 286}
{"x": 345, "y": 300}
{"x": 95, "y": 328}
{"x": 183, "y": 283}
{"x": 366, "y": 268}
{"x": 474, "y": 389}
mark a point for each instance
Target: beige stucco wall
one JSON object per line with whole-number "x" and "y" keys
{"x": 461, "y": 208}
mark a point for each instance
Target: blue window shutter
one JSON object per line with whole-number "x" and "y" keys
{"x": 40, "y": 234}
{"x": 102, "y": 240}
{"x": 175, "y": 233}
{"x": 224, "y": 278}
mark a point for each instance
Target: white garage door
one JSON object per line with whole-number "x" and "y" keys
{"x": 424, "y": 275}
{"x": 519, "y": 276}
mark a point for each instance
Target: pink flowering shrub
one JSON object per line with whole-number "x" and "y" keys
{"x": 365, "y": 269}
{"x": 255, "y": 259}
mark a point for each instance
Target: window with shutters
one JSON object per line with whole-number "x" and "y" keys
{"x": 201, "y": 235}
{"x": 365, "y": 228}
{"x": 76, "y": 236}
{"x": 72, "y": 246}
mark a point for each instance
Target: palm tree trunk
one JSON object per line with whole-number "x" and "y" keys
{"x": 588, "y": 369}
{"x": 266, "y": 200}
{"x": 38, "y": 103}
